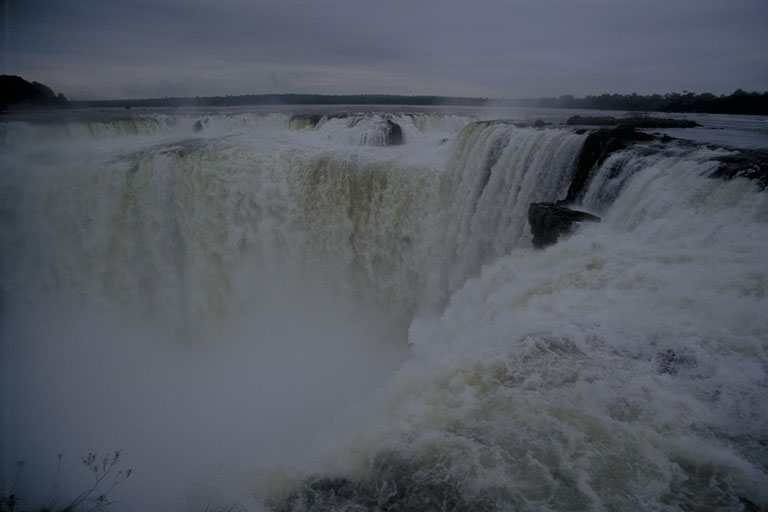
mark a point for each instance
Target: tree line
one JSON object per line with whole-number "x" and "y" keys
{"x": 17, "y": 93}
{"x": 289, "y": 99}
{"x": 740, "y": 102}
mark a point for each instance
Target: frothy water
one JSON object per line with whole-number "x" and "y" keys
{"x": 290, "y": 315}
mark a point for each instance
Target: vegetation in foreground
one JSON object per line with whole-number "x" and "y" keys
{"x": 106, "y": 476}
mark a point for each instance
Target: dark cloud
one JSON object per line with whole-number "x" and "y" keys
{"x": 91, "y": 48}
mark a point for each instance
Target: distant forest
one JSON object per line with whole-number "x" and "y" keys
{"x": 19, "y": 94}
{"x": 288, "y": 99}
{"x": 740, "y": 102}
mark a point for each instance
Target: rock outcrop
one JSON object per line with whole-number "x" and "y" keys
{"x": 597, "y": 147}
{"x": 751, "y": 164}
{"x": 17, "y": 93}
{"x": 548, "y": 221}
{"x": 393, "y": 134}
{"x": 632, "y": 122}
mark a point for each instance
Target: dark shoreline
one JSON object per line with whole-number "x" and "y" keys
{"x": 740, "y": 102}
{"x": 20, "y": 95}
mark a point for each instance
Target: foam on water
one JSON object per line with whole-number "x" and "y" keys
{"x": 623, "y": 368}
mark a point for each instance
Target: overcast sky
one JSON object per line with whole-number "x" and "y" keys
{"x": 90, "y": 49}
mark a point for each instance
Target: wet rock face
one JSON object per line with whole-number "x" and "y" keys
{"x": 394, "y": 134}
{"x": 549, "y": 221}
{"x": 750, "y": 164}
{"x": 597, "y": 147}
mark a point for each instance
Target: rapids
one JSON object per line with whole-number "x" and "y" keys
{"x": 292, "y": 315}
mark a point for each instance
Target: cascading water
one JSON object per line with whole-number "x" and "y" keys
{"x": 308, "y": 319}
{"x": 496, "y": 172}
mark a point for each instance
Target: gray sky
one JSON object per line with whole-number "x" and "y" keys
{"x": 91, "y": 49}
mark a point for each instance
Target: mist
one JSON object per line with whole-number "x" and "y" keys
{"x": 183, "y": 406}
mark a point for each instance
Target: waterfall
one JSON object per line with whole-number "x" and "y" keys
{"x": 236, "y": 292}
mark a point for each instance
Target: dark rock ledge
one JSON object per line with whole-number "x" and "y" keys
{"x": 394, "y": 134}
{"x": 632, "y": 121}
{"x": 597, "y": 147}
{"x": 549, "y": 221}
{"x": 750, "y": 164}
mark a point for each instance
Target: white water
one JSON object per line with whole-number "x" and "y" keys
{"x": 261, "y": 301}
